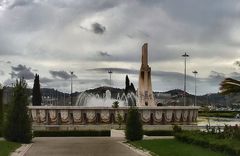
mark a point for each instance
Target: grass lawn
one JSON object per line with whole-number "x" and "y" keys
{"x": 173, "y": 147}
{"x": 7, "y": 147}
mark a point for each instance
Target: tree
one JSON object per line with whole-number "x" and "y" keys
{"x": 119, "y": 120}
{"x": 134, "y": 130}
{"x": 129, "y": 88}
{"x": 115, "y": 104}
{"x": 126, "y": 84}
{"x": 36, "y": 93}
{"x": 17, "y": 126}
{"x": 1, "y": 106}
{"x": 230, "y": 85}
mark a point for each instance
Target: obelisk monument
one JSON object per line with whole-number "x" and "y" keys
{"x": 145, "y": 94}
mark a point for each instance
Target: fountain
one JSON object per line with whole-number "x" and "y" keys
{"x": 94, "y": 100}
{"x": 93, "y": 109}
{"x": 91, "y": 100}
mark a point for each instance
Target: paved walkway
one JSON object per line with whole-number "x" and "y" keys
{"x": 80, "y": 146}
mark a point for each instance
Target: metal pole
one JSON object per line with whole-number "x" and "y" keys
{"x": 71, "y": 88}
{"x": 110, "y": 72}
{"x": 185, "y": 77}
{"x": 195, "y": 74}
{"x": 64, "y": 100}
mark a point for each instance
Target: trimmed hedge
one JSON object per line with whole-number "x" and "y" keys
{"x": 224, "y": 114}
{"x": 212, "y": 141}
{"x": 134, "y": 129}
{"x": 87, "y": 133}
{"x": 159, "y": 133}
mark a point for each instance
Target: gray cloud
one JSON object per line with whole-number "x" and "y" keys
{"x": 237, "y": 63}
{"x": 216, "y": 75}
{"x": 98, "y": 28}
{"x": 115, "y": 70}
{"x": 20, "y": 67}
{"x": 61, "y": 74}
{"x": 2, "y": 73}
{"x": 45, "y": 34}
{"x": 6, "y": 62}
{"x": 20, "y": 71}
{"x": 104, "y": 54}
{"x": 19, "y": 3}
{"x": 46, "y": 80}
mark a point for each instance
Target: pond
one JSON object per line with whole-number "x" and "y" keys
{"x": 217, "y": 121}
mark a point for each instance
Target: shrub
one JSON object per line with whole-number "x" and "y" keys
{"x": 158, "y": 133}
{"x": 134, "y": 130}
{"x": 17, "y": 126}
{"x": 81, "y": 133}
{"x": 231, "y": 132}
{"x": 119, "y": 120}
{"x": 1, "y": 108}
{"x": 115, "y": 104}
{"x": 177, "y": 128}
{"x": 210, "y": 140}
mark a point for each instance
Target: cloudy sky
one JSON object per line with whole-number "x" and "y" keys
{"x": 89, "y": 37}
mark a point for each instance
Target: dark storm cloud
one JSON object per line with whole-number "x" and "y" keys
{"x": 48, "y": 30}
{"x": 104, "y": 54}
{"x": 237, "y": 63}
{"x": 20, "y": 3}
{"x": 20, "y": 71}
{"x": 115, "y": 70}
{"x": 46, "y": 80}
{"x": 216, "y": 75}
{"x": 95, "y": 28}
{"x": 20, "y": 67}
{"x": 61, "y": 74}
{"x": 213, "y": 80}
{"x": 163, "y": 74}
{"x": 98, "y": 28}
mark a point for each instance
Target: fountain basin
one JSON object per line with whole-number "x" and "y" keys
{"x": 80, "y": 115}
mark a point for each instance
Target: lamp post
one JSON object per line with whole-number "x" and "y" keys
{"x": 110, "y": 74}
{"x": 71, "y": 87}
{"x": 195, "y": 100}
{"x": 185, "y": 71}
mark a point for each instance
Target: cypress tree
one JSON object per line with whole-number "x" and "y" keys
{"x": 36, "y": 93}
{"x": 132, "y": 88}
{"x": 134, "y": 130}
{"x": 126, "y": 84}
{"x": 1, "y": 107}
{"x": 17, "y": 126}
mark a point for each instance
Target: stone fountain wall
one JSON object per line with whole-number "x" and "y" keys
{"x": 76, "y": 115}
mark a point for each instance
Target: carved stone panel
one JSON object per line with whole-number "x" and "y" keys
{"x": 168, "y": 115}
{"x": 158, "y": 116}
{"x": 77, "y": 115}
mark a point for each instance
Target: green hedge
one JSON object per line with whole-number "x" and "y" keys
{"x": 225, "y": 114}
{"x": 159, "y": 133}
{"x": 212, "y": 141}
{"x": 87, "y": 133}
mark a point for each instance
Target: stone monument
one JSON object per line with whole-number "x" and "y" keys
{"x": 145, "y": 94}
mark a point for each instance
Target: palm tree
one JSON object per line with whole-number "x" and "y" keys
{"x": 229, "y": 85}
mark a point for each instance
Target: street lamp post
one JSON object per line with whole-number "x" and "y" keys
{"x": 195, "y": 100}
{"x": 110, "y": 74}
{"x": 71, "y": 88}
{"x": 185, "y": 72}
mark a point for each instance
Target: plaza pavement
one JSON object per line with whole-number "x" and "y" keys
{"x": 80, "y": 146}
